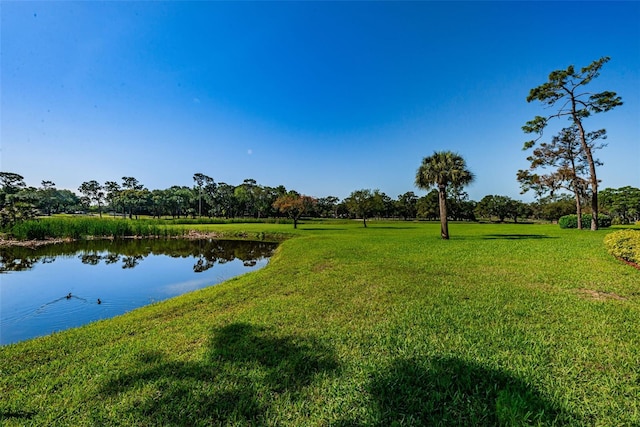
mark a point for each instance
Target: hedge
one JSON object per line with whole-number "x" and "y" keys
{"x": 624, "y": 244}
{"x": 571, "y": 221}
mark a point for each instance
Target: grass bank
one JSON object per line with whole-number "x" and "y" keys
{"x": 347, "y": 326}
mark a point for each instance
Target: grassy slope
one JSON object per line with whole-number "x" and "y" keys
{"x": 504, "y": 324}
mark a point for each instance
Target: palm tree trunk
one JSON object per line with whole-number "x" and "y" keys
{"x": 442, "y": 199}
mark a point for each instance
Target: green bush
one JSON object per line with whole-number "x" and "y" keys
{"x": 568, "y": 221}
{"x": 624, "y": 244}
{"x": 571, "y": 221}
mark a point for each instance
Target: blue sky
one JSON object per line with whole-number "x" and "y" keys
{"x": 322, "y": 97}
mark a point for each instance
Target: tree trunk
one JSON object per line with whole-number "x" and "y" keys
{"x": 578, "y": 207}
{"x": 442, "y": 199}
{"x": 592, "y": 169}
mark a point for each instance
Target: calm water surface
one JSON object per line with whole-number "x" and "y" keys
{"x": 56, "y": 287}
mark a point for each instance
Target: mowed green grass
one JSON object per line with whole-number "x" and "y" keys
{"x": 352, "y": 326}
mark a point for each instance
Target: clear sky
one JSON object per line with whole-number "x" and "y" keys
{"x": 322, "y": 97}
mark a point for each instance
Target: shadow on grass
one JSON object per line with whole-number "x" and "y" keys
{"x": 385, "y": 227}
{"x": 8, "y": 414}
{"x": 452, "y": 392}
{"x": 516, "y": 236}
{"x": 245, "y": 369}
{"x": 321, "y": 228}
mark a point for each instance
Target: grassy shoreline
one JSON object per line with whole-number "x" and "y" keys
{"x": 504, "y": 324}
{"x": 74, "y": 227}
{"x": 59, "y": 229}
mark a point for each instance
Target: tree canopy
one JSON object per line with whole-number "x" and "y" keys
{"x": 362, "y": 203}
{"x": 294, "y": 205}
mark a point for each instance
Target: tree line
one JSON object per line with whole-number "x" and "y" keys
{"x": 208, "y": 199}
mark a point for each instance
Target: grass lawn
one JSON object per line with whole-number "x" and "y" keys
{"x": 351, "y": 326}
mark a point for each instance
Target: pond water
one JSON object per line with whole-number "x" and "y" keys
{"x": 55, "y": 287}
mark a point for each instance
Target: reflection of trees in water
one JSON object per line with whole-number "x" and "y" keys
{"x": 131, "y": 261}
{"x": 202, "y": 264}
{"x": 223, "y": 251}
{"x": 90, "y": 259}
{"x": 131, "y": 252}
{"x": 111, "y": 258}
{"x": 16, "y": 260}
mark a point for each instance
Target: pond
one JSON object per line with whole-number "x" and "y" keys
{"x": 55, "y": 287}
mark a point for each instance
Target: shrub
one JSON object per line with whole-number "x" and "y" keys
{"x": 571, "y": 221}
{"x": 624, "y": 244}
{"x": 568, "y": 221}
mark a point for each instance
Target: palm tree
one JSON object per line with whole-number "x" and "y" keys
{"x": 442, "y": 169}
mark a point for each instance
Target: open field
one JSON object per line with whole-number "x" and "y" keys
{"x": 349, "y": 326}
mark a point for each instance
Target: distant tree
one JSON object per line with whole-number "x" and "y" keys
{"x": 564, "y": 90}
{"x": 12, "y": 209}
{"x": 222, "y": 200}
{"x": 407, "y": 205}
{"x": 553, "y": 208}
{"x": 158, "y": 203}
{"x": 265, "y": 197}
{"x": 459, "y": 207}
{"x": 361, "y": 203}
{"x": 22, "y": 206}
{"x": 47, "y": 195}
{"x": 178, "y": 199}
{"x": 428, "y": 206}
{"x": 131, "y": 183}
{"x": 294, "y": 205}
{"x": 246, "y": 194}
{"x": 383, "y": 205}
{"x": 129, "y": 194}
{"x": 443, "y": 169}
{"x": 209, "y": 193}
{"x": 327, "y": 207}
{"x": 464, "y": 210}
{"x": 201, "y": 181}
{"x": 622, "y": 204}
{"x": 11, "y": 183}
{"x": 94, "y": 192}
{"x": 17, "y": 201}
{"x": 499, "y": 206}
{"x": 67, "y": 201}
{"x": 112, "y": 196}
{"x": 342, "y": 211}
{"x": 520, "y": 210}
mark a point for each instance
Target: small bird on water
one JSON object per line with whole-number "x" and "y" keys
{"x": 99, "y": 302}
{"x": 69, "y": 295}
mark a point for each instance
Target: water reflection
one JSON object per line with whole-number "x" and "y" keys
{"x": 130, "y": 253}
{"x": 54, "y": 287}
